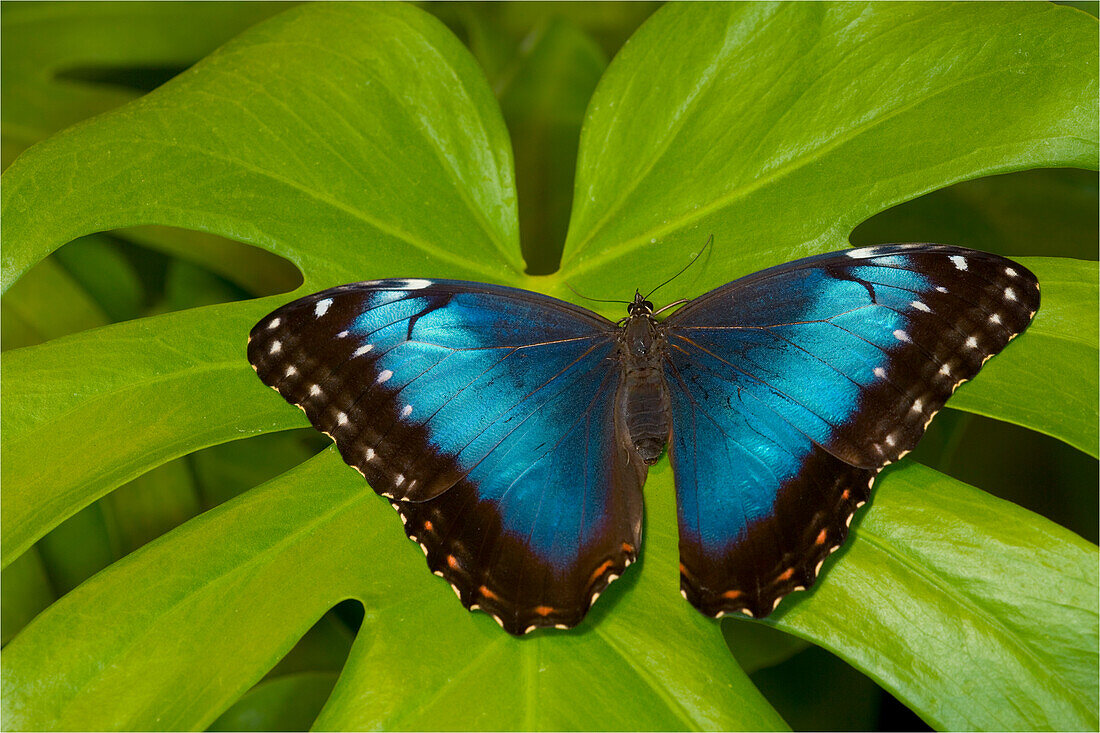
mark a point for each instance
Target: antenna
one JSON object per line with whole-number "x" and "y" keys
{"x": 681, "y": 272}
{"x": 597, "y": 300}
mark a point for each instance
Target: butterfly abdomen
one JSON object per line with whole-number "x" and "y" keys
{"x": 643, "y": 408}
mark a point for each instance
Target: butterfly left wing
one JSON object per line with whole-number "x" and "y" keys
{"x": 792, "y": 387}
{"x": 485, "y": 415}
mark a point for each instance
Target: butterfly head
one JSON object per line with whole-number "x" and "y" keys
{"x": 639, "y": 306}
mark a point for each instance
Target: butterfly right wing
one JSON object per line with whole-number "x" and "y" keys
{"x": 793, "y": 386}
{"x": 485, "y": 415}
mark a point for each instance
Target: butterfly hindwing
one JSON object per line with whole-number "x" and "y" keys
{"x": 481, "y": 413}
{"x": 792, "y": 387}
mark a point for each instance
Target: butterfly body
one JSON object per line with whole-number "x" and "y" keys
{"x": 513, "y": 431}
{"x": 643, "y": 404}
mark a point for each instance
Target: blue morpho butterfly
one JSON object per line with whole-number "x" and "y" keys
{"x": 513, "y": 431}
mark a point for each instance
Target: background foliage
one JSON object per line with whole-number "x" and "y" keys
{"x": 179, "y": 553}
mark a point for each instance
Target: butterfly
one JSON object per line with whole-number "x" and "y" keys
{"x": 513, "y": 431}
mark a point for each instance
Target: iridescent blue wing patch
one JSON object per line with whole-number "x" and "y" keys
{"x": 792, "y": 387}
{"x": 485, "y": 415}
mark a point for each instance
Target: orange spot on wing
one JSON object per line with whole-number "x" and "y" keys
{"x": 821, "y": 537}
{"x": 452, "y": 561}
{"x": 484, "y": 590}
{"x": 601, "y": 570}
{"x": 544, "y": 610}
{"x": 428, "y": 525}
{"x": 628, "y": 548}
{"x": 786, "y": 574}
{"x": 732, "y": 594}
{"x": 845, "y": 495}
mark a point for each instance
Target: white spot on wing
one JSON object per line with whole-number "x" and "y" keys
{"x": 414, "y": 284}
{"x": 384, "y": 375}
{"x": 400, "y": 479}
{"x": 274, "y": 323}
{"x": 1010, "y": 272}
{"x": 960, "y": 262}
{"x": 920, "y": 306}
{"x": 1010, "y": 294}
{"x": 406, "y": 410}
{"x": 941, "y": 289}
{"x": 995, "y": 318}
{"x": 369, "y": 455}
{"x": 945, "y": 370}
{"x": 315, "y": 390}
{"x": 972, "y": 342}
{"x": 290, "y": 371}
{"x": 861, "y": 253}
{"x": 322, "y": 307}
{"x": 342, "y": 334}
{"x": 363, "y": 349}
{"x": 341, "y": 419}
{"x": 901, "y": 335}
{"x": 917, "y": 406}
{"x": 276, "y": 347}
{"x": 880, "y": 372}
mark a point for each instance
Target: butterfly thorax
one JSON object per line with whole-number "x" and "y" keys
{"x": 642, "y": 403}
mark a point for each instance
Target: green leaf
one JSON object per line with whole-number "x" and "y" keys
{"x": 42, "y": 41}
{"x": 974, "y": 612}
{"x": 57, "y": 410}
{"x": 786, "y": 125}
{"x": 319, "y": 152}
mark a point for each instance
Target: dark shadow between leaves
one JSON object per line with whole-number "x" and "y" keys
{"x": 141, "y": 79}
{"x": 1048, "y": 212}
{"x": 110, "y": 277}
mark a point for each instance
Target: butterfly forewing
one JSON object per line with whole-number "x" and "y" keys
{"x": 792, "y": 387}
{"x": 481, "y": 412}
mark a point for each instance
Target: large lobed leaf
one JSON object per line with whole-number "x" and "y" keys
{"x": 784, "y": 126}
{"x": 65, "y": 62}
{"x": 380, "y": 151}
